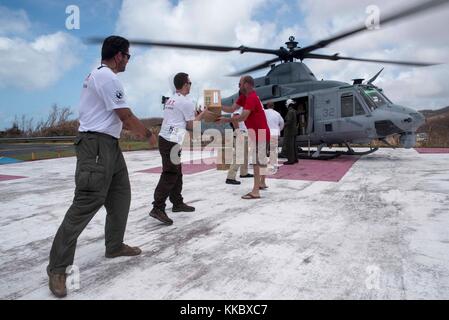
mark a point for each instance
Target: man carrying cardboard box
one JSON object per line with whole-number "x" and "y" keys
{"x": 258, "y": 131}
{"x": 179, "y": 114}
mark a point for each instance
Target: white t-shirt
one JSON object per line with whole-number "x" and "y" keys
{"x": 242, "y": 126}
{"x": 102, "y": 93}
{"x": 275, "y": 121}
{"x": 177, "y": 111}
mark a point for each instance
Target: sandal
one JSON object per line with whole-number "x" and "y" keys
{"x": 263, "y": 188}
{"x": 250, "y": 196}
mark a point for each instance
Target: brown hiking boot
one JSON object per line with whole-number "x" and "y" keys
{"x": 56, "y": 283}
{"x": 161, "y": 216}
{"x": 124, "y": 251}
{"x": 182, "y": 207}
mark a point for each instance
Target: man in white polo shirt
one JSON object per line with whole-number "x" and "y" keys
{"x": 179, "y": 114}
{"x": 101, "y": 175}
{"x": 276, "y": 124}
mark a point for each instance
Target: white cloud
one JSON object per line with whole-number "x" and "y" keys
{"x": 418, "y": 38}
{"x": 235, "y": 22}
{"x": 195, "y": 20}
{"x": 150, "y": 72}
{"x": 13, "y": 21}
{"x": 37, "y": 64}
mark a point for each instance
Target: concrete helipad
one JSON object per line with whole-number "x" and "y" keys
{"x": 379, "y": 231}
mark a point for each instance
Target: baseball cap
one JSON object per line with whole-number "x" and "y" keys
{"x": 289, "y": 102}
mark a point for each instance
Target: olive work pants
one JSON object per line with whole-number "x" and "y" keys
{"x": 170, "y": 182}
{"x": 101, "y": 178}
{"x": 291, "y": 148}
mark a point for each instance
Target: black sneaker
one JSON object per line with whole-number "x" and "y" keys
{"x": 248, "y": 175}
{"x": 161, "y": 216}
{"x": 232, "y": 181}
{"x": 182, "y": 207}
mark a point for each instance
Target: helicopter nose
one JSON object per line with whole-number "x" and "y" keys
{"x": 416, "y": 119}
{"x": 410, "y": 119}
{"x": 411, "y": 122}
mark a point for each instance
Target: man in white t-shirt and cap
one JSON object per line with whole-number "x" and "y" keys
{"x": 101, "y": 175}
{"x": 179, "y": 114}
{"x": 276, "y": 124}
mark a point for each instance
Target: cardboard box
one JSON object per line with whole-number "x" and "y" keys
{"x": 212, "y": 100}
{"x": 212, "y": 114}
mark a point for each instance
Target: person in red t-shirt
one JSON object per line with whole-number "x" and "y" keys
{"x": 258, "y": 130}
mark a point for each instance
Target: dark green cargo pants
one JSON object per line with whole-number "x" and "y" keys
{"x": 291, "y": 148}
{"x": 170, "y": 182}
{"x": 101, "y": 178}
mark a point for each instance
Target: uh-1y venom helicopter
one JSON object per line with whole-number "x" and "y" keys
{"x": 332, "y": 112}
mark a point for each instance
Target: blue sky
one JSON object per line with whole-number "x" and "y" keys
{"x": 48, "y": 17}
{"x": 43, "y": 63}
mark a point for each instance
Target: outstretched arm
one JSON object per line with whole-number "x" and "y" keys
{"x": 236, "y": 118}
{"x": 230, "y": 109}
{"x": 198, "y": 117}
{"x": 131, "y": 123}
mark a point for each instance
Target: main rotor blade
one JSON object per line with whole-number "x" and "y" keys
{"x": 337, "y": 57}
{"x": 389, "y": 18}
{"x": 241, "y": 49}
{"x": 254, "y": 68}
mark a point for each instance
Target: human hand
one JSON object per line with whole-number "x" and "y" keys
{"x": 222, "y": 120}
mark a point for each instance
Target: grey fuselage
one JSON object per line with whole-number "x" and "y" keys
{"x": 329, "y": 119}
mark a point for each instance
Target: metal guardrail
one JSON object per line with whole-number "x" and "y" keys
{"x": 38, "y": 139}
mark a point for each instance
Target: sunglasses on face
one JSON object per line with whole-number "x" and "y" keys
{"x": 126, "y": 54}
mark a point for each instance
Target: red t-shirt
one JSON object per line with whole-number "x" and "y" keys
{"x": 256, "y": 119}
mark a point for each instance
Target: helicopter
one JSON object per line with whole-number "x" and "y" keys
{"x": 330, "y": 112}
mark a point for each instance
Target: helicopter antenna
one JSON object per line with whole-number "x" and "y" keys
{"x": 375, "y": 77}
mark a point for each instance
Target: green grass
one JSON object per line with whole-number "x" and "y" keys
{"x": 43, "y": 155}
{"x": 124, "y": 145}
{"x": 135, "y": 145}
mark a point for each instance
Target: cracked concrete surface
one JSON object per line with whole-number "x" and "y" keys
{"x": 381, "y": 232}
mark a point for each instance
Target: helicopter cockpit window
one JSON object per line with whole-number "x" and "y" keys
{"x": 358, "y": 108}
{"x": 375, "y": 96}
{"x": 368, "y": 101}
{"x": 347, "y": 105}
{"x": 385, "y": 97}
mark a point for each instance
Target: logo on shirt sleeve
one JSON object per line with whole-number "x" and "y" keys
{"x": 119, "y": 95}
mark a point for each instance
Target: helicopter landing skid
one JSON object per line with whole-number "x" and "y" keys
{"x": 324, "y": 155}
{"x": 328, "y": 155}
{"x": 355, "y": 153}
